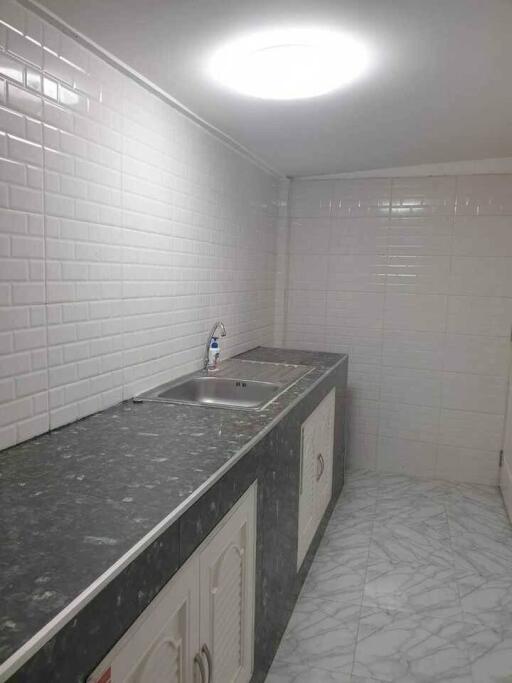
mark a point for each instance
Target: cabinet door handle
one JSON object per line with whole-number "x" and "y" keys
{"x": 206, "y": 651}
{"x": 199, "y": 661}
{"x": 321, "y": 462}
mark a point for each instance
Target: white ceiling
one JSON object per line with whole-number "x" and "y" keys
{"x": 441, "y": 88}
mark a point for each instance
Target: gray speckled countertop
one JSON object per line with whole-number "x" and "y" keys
{"x": 76, "y": 500}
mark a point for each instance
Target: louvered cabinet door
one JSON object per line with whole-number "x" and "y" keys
{"x": 324, "y": 454}
{"x": 227, "y": 595}
{"x": 307, "y": 486}
{"x": 316, "y": 470}
{"x": 161, "y": 644}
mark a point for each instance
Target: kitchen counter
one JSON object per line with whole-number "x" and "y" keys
{"x": 80, "y": 503}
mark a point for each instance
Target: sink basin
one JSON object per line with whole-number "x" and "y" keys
{"x": 221, "y": 392}
{"x": 240, "y": 385}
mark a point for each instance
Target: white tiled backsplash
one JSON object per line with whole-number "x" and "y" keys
{"x": 125, "y": 231}
{"x": 412, "y": 277}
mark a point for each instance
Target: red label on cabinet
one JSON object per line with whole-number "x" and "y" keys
{"x": 106, "y": 677}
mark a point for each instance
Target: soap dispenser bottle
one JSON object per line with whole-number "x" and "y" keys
{"x": 214, "y": 355}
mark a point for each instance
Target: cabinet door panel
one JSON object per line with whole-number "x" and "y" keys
{"x": 163, "y": 661}
{"x": 324, "y": 456}
{"x": 160, "y": 646}
{"x": 316, "y": 471}
{"x": 307, "y": 505}
{"x": 227, "y": 595}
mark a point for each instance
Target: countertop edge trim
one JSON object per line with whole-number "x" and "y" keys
{"x": 39, "y": 639}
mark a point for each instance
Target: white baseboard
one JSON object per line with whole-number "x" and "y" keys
{"x": 506, "y": 486}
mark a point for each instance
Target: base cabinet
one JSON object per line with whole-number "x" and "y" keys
{"x": 227, "y": 583}
{"x": 200, "y": 628}
{"x": 316, "y": 471}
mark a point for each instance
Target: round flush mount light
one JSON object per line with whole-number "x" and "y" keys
{"x": 290, "y": 64}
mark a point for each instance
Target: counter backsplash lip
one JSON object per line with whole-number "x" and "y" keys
{"x": 322, "y": 364}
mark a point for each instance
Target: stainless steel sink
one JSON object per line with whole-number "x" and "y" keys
{"x": 221, "y": 392}
{"x": 242, "y": 385}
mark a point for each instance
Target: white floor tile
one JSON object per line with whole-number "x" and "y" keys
{"x": 412, "y": 583}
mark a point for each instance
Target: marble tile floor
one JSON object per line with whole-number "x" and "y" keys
{"x": 412, "y": 583}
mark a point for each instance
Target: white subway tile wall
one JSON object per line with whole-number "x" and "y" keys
{"x": 125, "y": 231}
{"x": 412, "y": 277}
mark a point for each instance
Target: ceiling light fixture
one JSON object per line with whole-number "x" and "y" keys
{"x": 290, "y": 64}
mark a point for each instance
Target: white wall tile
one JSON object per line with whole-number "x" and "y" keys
{"x": 364, "y": 381}
{"x": 423, "y": 196}
{"x": 13, "y": 15}
{"x": 480, "y": 315}
{"x": 483, "y": 236}
{"x": 467, "y": 465}
{"x": 311, "y": 199}
{"x": 422, "y": 312}
{"x": 362, "y": 451}
{"x": 364, "y": 416}
{"x": 306, "y": 307}
{"x": 357, "y": 273}
{"x": 481, "y": 431}
{"x": 309, "y": 236}
{"x": 480, "y": 393}
{"x": 355, "y": 309}
{"x": 23, "y": 359}
{"x": 481, "y": 276}
{"x": 423, "y": 350}
{"x": 418, "y": 274}
{"x": 484, "y": 195}
{"x": 359, "y": 235}
{"x": 23, "y": 101}
{"x": 308, "y": 337}
{"x": 477, "y": 354}
{"x": 153, "y": 229}
{"x": 431, "y": 235}
{"x": 403, "y": 456}
{"x": 24, "y": 48}
{"x": 409, "y": 385}
{"x": 308, "y": 271}
{"x": 363, "y": 345}
{"x": 419, "y": 294}
{"x": 361, "y": 197}
{"x": 406, "y": 421}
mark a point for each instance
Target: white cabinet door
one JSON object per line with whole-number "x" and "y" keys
{"x": 227, "y": 595}
{"x": 200, "y": 627}
{"x": 324, "y": 456}
{"x": 307, "y": 501}
{"x": 160, "y": 646}
{"x": 316, "y": 471}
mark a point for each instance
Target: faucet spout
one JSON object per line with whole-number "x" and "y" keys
{"x": 218, "y": 325}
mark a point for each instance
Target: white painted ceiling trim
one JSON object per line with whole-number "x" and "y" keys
{"x": 55, "y": 20}
{"x": 476, "y": 167}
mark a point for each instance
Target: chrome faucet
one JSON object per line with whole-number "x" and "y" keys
{"x": 210, "y": 337}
